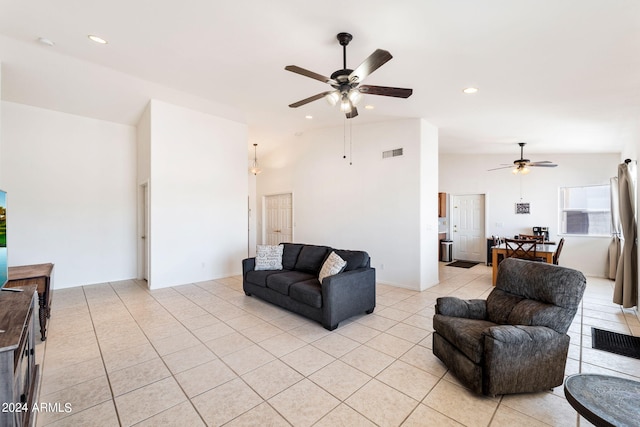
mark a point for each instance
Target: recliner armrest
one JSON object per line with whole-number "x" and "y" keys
{"x": 521, "y": 334}
{"x": 456, "y": 307}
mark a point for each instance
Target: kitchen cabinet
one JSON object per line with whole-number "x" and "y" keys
{"x": 442, "y": 205}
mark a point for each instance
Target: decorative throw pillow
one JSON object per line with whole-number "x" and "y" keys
{"x": 333, "y": 265}
{"x": 269, "y": 257}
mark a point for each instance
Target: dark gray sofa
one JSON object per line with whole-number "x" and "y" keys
{"x": 296, "y": 287}
{"x": 516, "y": 340}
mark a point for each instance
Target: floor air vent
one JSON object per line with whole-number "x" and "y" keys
{"x": 392, "y": 153}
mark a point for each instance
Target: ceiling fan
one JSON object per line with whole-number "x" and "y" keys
{"x": 521, "y": 166}
{"x": 346, "y": 82}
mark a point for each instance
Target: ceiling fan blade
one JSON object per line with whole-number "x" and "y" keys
{"x": 309, "y": 99}
{"x": 307, "y": 73}
{"x": 502, "y": 167}
{"x": 353, "y": 113}
{"x": 397, "y": 92}
{"x": 376, "y": 60}
{"x": 542, "y": 164}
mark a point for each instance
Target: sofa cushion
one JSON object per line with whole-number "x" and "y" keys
{"x": 260, "y": 277}
{"x": 355, "y": 259}
{"x": 290, "y": 254}
{"x": 281, "y": 282}
{"x": 463, "y": 334}
{"x": 269, "y": 257}
{"x": 311, "y": 258}
{"x": 332, "y": 265}
{"x": 308, "y": 292}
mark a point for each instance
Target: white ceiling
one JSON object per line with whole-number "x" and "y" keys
{"x": 564, "y": 76}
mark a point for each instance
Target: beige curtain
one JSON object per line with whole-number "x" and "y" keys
{"x": 625, "y": 291}
{"x": 614, "y": 247}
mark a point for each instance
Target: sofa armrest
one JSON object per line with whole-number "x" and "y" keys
{"x": 456, "y": 307}
{"x": 347, "y": 294}
{"x": 248, "y": 264}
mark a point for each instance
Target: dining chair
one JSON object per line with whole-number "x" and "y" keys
{"x": 556, "y": 256}
{"x": 523, "y": 249}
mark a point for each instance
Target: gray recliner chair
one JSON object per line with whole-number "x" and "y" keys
{"x": 516, "y": 340}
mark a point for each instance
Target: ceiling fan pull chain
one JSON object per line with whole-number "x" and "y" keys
{"x": 350, "y": 143}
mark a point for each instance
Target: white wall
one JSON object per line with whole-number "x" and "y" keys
{"x": 467, "y": 174}
{"x": 373, "y": 204}
{"x": 428, "y": 204}
{"x": 198, "y": 196}
{"x": 71, "y": 194}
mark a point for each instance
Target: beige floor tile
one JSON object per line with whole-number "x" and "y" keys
{"x": 420, "y": 321}
{"x": 59, "y": 379}
{"x": 304, "y": 403}
{"x": 382, "y": 404}
{"x": 101, "y": 415}
{"x": 145, "y": 402}
{"x": 245, "y": 321}
{"x": 344, "y": 416}
{"x": 358, "y": 332}
{"x": 282, "y": 344}
{"x": 165, "y": 330}
{"x": 247, "y": 359}
{"x": 546, "y": 407}
{"x": 408, "y": 332}
{"x": 261, "y": 415}
{"x": 309, "y": 332}
{"x": 181, "y": 415}
{"x": 424, "y": 359}
{"x": 213, "y": 331}
{"x": 336, "y": 345}
{"x": 188, "y": 358}
{"x": 226, "y": 402}
{"x": 272, "y": 378}
{"x": 134, "y": 377}
{"x": 175, "y": 343}
{"x": 507, "y": 417}
{"x": 228, "y": 344}
{"x": 408, "y": 379}
{"x": 389, "y": 344}
{"x": 340, "y": 379}
{"x": 198, "y": 322}
{"x": 289, "y": 321}
{"x": 261, "y": 332}
{"x": 425, "y": 416}
{"x": 393, "y": 314}
{"x": 460, "y": 404}
{"x": 377, "y": 322}
{"x": 79, "y": 397}
{"x": 307, "y": 359}
{"x": 368, "y": 360}
{"x": 133, "y": 356}
{"x": 71, "y": 356}
{"x": 204, "y": 377}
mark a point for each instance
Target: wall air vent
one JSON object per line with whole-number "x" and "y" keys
{"x": 392, "y": 153}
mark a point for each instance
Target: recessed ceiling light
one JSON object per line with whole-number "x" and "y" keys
{"x": 470, "y": 90}
{"x": 97, "y": 39}
{"x": 369, "y": 107}
{"x": 45, "y": 42}
{"x": 308, "y": 117}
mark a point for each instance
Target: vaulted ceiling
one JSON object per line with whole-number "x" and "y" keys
{"x": 564, "y": 76}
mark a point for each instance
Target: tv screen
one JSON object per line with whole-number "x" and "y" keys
{"x": 4, "y": 269}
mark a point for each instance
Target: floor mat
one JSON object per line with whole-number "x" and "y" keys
{"x": 463, "y": 264}
{"x": 613, "y": 342}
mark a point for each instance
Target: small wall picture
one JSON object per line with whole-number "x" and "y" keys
{"x": 522, "y": 208}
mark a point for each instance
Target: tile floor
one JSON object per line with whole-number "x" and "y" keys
{"x": 205, "y": 354}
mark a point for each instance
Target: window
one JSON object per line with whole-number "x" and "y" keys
{"x": 585, "y": 210}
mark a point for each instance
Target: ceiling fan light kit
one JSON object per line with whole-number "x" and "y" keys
{"x": 346, "y": 82}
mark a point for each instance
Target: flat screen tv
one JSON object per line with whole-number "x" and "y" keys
{"x": 4, "y": 268}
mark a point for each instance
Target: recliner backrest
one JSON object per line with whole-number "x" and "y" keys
{"x": 534, "y": 293}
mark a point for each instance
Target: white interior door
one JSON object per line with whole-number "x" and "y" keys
{"x": 278, "y": 218}
{"x": 468, "y": 227}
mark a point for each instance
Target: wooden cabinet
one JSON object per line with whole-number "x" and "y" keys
{"x": 442, "y": 205}
{"x": 39, "y": 275}
{"x": 18, "y": 370}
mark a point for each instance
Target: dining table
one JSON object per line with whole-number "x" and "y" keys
{"x": 545, "y": 251}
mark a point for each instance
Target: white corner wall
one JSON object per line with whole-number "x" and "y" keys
{"x": 467, "y": 174}
{"x": 373, "y": 205}
{"x": 70, "y": 182}
{"x": 198, "y": 196}
{"x": 429, "y": 243}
